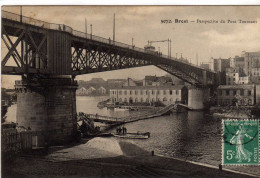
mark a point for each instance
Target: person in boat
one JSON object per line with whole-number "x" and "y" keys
{"x": 119, "y": 130}
{"x": 123, "y": 130}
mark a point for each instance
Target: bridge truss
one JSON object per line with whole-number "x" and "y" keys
{"x": 37, "y": 47}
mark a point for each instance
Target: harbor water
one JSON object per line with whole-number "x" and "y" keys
{"x": 193, "y": 136}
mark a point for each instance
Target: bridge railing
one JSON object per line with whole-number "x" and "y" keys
{"x": 62, "y": 27}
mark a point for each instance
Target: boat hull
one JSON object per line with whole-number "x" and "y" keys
{"x": 133, "y": 135}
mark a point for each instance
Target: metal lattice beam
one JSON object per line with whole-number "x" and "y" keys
{"x": 35, "y": 51}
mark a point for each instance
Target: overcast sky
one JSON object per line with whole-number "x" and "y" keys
{"x": 143, "y": 23}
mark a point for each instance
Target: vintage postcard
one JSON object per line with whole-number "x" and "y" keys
{"x": 130, "y": 91}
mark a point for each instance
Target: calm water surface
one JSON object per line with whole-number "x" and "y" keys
{"x": 191, "y": 136}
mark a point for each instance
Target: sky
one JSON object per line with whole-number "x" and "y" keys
{"x": 143, "y": 23}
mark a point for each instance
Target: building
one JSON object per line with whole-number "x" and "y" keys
{"x": 255, "y": 72}
{"x": 91, "y": 91}
{"x": 252, "y": 60}
{"x": 165, "y": 80}
{"x": 81, "y": 91}
{"x": 101, "y": 91}
{"x": 116, "y": 81}
{"x": 150, "y": 94}
{"x": 232, "y": 76}
{"x": 151, "y": 81}
{"x": 229, "y": 94}
{"x": 157, "y": 81}
{"x": 113, "y": 83}
{"x": 236, "y": 76}
{"x": 244, "y": 80}
{"x": 257, "y": 98}
{"x": 220, "y": 65}
{"x": 237, "y": 62}
{"x": 131, "y": 82}
{"x": 255, "y": 80}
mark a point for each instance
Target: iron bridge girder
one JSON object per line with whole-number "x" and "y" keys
{"x": 31, "y": 54}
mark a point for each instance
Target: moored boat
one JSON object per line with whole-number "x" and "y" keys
{"x": 138, "y": 135}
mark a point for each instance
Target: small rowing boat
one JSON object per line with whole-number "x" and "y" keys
{"x": 138, "y": 135}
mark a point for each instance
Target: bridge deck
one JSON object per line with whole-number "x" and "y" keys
{"x": 58, "y": 49}
{"x": 75, "y": 33}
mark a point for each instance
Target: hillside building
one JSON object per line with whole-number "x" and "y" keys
{"x": 220, "y": 65}
{"x": 252, "y": 60}
{"x": 229, "y": 94}
{"x": 237, "y": 62}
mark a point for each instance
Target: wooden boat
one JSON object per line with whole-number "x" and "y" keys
{"x": 138, "y": 135}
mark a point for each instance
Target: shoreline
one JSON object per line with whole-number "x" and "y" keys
{"x": 129, "y": 160}
{"x": 208, "y": 165}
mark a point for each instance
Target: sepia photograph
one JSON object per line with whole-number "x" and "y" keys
{"x": 130, "y": 91}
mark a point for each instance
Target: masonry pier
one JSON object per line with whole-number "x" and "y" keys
{"x": 47, "y": 105}
{"x": 198, "y": 97}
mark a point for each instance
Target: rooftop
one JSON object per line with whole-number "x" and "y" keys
{"x": 151, "y": 78}
{"x": 176, "y": 87}
{"x": 241, "y": 59}
{"x": 243, "y": 86}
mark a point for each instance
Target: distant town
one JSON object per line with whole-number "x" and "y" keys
{"x": 99, "y": 87}
{"x": 239, "y": 76}
{"x": 240, "y": 79}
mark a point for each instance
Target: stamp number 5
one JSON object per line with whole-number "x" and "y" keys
{"x": 229, "y": 155}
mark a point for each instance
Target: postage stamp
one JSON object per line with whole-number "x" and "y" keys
{"x": 240, "y": 142}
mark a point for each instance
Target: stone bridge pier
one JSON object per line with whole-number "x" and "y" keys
{"x": 198, "y": 97}
{"x": 47, "y": 105}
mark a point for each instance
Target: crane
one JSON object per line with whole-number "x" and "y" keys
{"x": 161, "y": 41}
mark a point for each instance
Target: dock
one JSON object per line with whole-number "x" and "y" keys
{"x": 132, "y": 118}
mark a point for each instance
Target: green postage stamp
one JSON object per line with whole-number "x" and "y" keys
{"x": 240, "y": 142}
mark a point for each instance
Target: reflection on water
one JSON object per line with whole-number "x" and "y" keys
{"x": 191, "y": 136}
{"x": 187, "y": 135}
{"x": 88, "y": 105}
